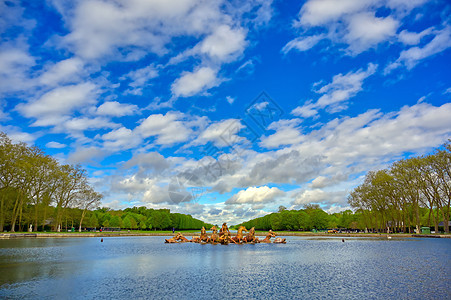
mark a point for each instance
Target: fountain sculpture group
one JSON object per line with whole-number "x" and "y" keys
{"x": 224, "y": 237}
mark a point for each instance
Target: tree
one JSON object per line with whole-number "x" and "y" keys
{"x": 87, "y": 199}
{"x": 70, "y": 184}
{"x": 282, "y": 208}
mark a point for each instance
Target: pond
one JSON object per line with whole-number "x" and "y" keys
{"x": 305, "y": 267}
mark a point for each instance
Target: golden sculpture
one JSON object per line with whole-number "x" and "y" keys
{"x": 226, "y": 238}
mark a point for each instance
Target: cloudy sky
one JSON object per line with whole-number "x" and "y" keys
{"x": 226, "y": 109}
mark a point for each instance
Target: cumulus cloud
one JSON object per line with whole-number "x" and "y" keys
{"x": 121, "y": 139}
{"x": 320, "y": 196}
{"x": 55, "y": 145}
{"x": 320, "y": 12}
{"x": 343, "y": 87}
{"x": 286, "y": 133}
{"x": 325, "y": 181}
{"x": 291, "y": 167}
{"x": 87, "y": 155}
{"x": 15, "y": 63}
{"x": 222, "y": 134}
{"x": 254, "y": 195}
{"x": 17, "y": 135}
{"x": 152, "y": 161}
{"x": 366, "y": 31}
{"x": 84, "y": 123}
{"x": 224, "y": 43}
{"x": 66, "y": 71}
{"x": 59, "y": 102}
{"x": 167, "y": 129}
{"x": 349, "y": 146}
{"x": 191, "y": 83}
{"x": 308, "y": 110}
{"x": 412, "y": 38}
{"x": 116, "y": 109}
{"x": 336, "y": 94}
{"x": 139, "y": 78}
{"x": 352, "y": 23}
{"x": 411, "y": 57}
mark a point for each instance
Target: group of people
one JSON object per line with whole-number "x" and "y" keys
{"x": 224, "y": 237}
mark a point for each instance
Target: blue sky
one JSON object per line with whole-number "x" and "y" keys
{"x": 226, "y": 109}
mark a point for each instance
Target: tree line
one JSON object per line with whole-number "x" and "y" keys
{"x": 36, "y": 190}
{"x": 411, "y": 193}
{"x": 398, "y": 196}
{"x": 309, "y": 218}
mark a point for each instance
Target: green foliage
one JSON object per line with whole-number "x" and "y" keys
{"x": 411, "y": 193}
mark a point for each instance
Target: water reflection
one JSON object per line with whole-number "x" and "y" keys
{"x": 143, "y": 267}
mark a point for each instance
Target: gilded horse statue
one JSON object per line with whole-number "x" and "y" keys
{"x": 268, "y": 237}
{"x": 202, "y": 238}
{"x": 178, "y": 238}
{"x": 239, "y": 235}
{"x": 250, "y": 236}
{"x": 214, "y": 236}
{"x": 224, "y": 229}
{"x": 203, "y": 235}
{"x": 280, "y": 241}
{"x": 225, "y": 238}
{"x": 224, "y": 235}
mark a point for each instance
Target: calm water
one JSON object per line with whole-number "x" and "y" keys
{"x": 304, "y": 268}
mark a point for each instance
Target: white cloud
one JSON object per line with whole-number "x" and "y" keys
{"x": 344, "y": 87}
{"x": 224, "y": 44}
{"x": 139, "y": 78}
{"x": 413, "y": 38}
{"x": 320, "y": 196}
{"x": 158, "y": 194}
{"x": 55, "y": 145}
{"x": 366, "y": 31}
{"x": 152, "y": 161}
{"x": 337, "y": 93}
{"x": 320, "y": 12}
{"x": 253, "y": 195}
{"x": 286, "y": 133}
{"x": 284, "y": 136}
{"x": 116, "y": 109}
{"x": 65, "y": 71}
{"x": 167, "y": 128}
{"x": 411, "y": 57}
{"x": 59, "y": 102}
{"x": 325, "y": 181}
{"x": 306, "y": 111}
{"x": 132, "y": 28}
{"x": 405, "y": 5}
{"x": 349, "y": 146}
{"x": 349, "y": 24}
{"x": 17, "y": 135}
{"x": 85, "y": 123}
{"x": 191, "y": 83}
{"x": 222, "y": 134}
{"x": 15, "y": 63}
{"x": 121, "y": 138}
{"x": 303, "y": 43}
{"x": 230, "y": 99}
{"x": 90, "y": 154}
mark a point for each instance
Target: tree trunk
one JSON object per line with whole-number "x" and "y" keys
{"x": 2, "y": 213}
{"x": 36, "y": 217}
{"x": 417, "y": 217}
{"x": 15, "y": 212}
{"x": 81, "y": 220}
{"x": 43, "y": 219}
{"x": 445, "y": 222}
{"x": 20, "y": 219}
